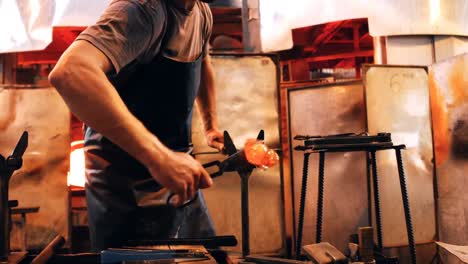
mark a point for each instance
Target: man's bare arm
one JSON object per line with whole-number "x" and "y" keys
{"x": 206, "y": 101}
{"x": 80, "y": 78}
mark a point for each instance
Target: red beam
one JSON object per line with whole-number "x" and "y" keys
{"x": 356, "y": 37}
{"x": 226, "y": 11}
{"x": 328, "y": 31}
{"x": 231, "y": 29}
{"x": 227, "y": 19}
{"x": 366, "y": 35}
{"x": 340, "y": 41}
{"x": 336, "y": 56}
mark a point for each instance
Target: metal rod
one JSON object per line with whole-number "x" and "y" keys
{"x": 245, "y": 215}
{"x": 369, "y": 189}
{"x": 4, "y": 216}
{"x": 378, "y": 218}
{"x": 305, "y": 172}
{"x": 321, "y": 181}
{"x": 406, "y": 206}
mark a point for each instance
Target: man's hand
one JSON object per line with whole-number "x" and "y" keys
{"x": 215, "y": 139}
{"x": 181, "y": 174}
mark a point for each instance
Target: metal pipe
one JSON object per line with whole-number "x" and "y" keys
{"x": 305, "y": 172}
{"x": 406, "y": 206}
{"x": 245, "y": 214}
{"x": 321, "y": 185}
{"x": 4, "y": 215}
{"x": 378, "y": 217}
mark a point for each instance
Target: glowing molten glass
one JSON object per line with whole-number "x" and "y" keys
{"x": 258, "y": 154}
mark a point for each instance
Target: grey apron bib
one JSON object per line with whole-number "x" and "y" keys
{"x": 161, "y": 94}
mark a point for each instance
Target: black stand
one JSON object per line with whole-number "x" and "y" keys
{"x": 349, "y": 146}
{"x": 245, "y": 214}
{"x": 7, "y": 167}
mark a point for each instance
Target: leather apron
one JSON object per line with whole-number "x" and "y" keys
{"x": 161, "y": 95}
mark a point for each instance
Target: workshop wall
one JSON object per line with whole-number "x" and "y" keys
{"x": 398, "y": 102}
{"x": 247, "y": 88}
{"x": 448, "y": 82}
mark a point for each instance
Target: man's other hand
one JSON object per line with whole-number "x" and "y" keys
{"x": 182, "y": 175}
{"x": 215, "y": 139}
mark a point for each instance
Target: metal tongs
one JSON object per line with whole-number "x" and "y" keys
{"x": 236, "y": 160}
{"x": 149, "y": 193}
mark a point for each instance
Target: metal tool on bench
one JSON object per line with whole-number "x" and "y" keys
{"x": 207, "y": 242}
{"x": 212, "y": 244}
{"x": 347, "y": 143}
{"x": 7, "y": 167}
{"x": 112, "y": 256}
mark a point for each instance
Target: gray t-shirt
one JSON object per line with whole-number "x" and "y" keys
{"x": 132, "y": 31}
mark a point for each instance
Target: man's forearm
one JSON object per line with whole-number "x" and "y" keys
{"x": 206, "y": 98}
{"x": 91, "y": 97}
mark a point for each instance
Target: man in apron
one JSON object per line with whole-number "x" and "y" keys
{"x": 133, "y": 78}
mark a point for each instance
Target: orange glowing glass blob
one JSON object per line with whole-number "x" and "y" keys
{"x": 258, "y": 154}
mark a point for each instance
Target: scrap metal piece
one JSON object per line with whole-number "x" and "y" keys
{"x": 366, "y": 243}
{"x": 324, "y": 253}
{"x": 353, "y": 251}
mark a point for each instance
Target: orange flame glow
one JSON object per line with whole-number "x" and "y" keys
{"x": 76, "y": 175}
